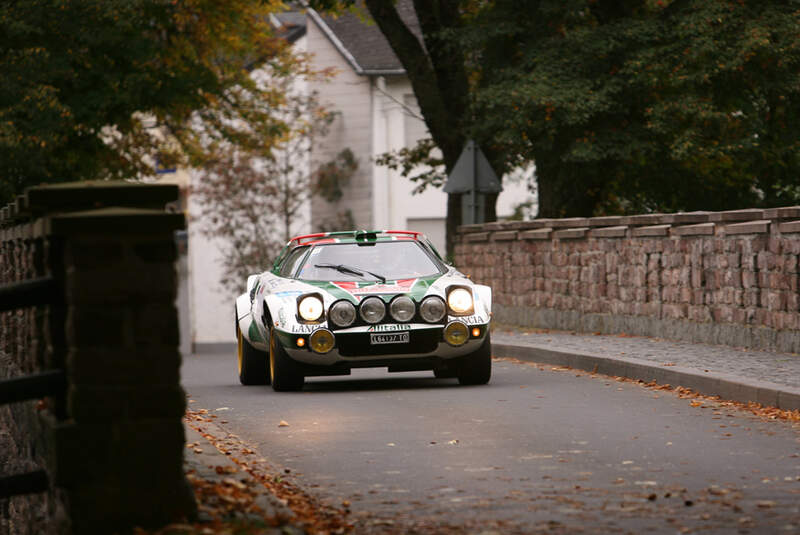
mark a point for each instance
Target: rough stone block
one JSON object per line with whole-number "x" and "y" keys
{"x": 98, "y": 326}
{"x": 476, "y": 237}
{"x": 95, "y": 403}
{"x": 105, "y": 366}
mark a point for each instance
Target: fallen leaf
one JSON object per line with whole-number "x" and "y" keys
{"x": 283, "y": 423}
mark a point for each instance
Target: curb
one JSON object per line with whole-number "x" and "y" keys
{"x": 729, "y": 387}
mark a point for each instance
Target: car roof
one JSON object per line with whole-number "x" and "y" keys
{"x": 355, "y": 236}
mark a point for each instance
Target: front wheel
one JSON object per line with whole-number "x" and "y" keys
{"x": 283, "y": 371}
{"x": 252, "y": 362}
{"x": 476, "y": 368}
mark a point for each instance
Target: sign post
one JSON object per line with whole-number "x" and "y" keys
{"x": 473, "y": 178}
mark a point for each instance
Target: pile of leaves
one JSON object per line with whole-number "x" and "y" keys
{"x": 221, "y": 499}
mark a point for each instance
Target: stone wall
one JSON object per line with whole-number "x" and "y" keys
{"x": 112, "y": 442}
{"x": 715, "y": 277}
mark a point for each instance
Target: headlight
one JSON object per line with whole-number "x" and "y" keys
{"x": 310, "y": 308}
{"x": 402, "y": 308}
{"x": 460, "y": 301}
{"x": 432, "y": 309}
{"x": 372, "y": 309}
{"x": 342, "y": 313}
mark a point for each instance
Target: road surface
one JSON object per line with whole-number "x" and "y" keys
{"x": 537, "y": 450}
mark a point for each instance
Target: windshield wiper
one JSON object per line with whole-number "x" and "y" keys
{"x": 341, "y": 268}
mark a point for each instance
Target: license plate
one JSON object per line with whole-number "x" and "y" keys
{"x": 388, "y": 338}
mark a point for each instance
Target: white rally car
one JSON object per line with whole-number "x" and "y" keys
{"x": 341, "y": 300}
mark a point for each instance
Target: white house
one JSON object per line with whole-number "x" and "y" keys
{"x": 377, "y": 112}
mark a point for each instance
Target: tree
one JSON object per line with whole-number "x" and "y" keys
{"x": 624, "y": 107}
{"x": 644, "y": 106}
{"x": 86, "y": 83}
{"x": 251, "y": 199}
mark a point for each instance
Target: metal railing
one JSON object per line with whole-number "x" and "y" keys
{"x": 35, "y": 292}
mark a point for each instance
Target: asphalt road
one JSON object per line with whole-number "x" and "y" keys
{"x": 536, "y": 450}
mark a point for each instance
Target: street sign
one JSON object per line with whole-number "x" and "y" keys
{"x": 474, "y": 177}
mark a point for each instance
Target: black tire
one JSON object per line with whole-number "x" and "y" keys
{"x": 284, "y": 373}
{"x": 252, "y": 362}
{"x": 476, "y": 368}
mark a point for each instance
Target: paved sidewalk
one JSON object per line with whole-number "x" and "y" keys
{"x": 772, "y": 379}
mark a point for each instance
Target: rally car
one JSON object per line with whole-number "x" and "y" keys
{"x": 336, "y": 301}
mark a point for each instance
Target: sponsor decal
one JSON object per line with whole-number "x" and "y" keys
{"x": 359, "y": 289}
{"x": 282, "y": 317}
{"x": 300, "y": 328}
{"x": 290, "y": 293}
{"x": 474, "y": 320}
{"x": 387, "y": 327}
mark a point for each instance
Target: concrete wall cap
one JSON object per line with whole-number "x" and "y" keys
{"x": 620, "y": 231}
{"x": 652, "y": 230}
{"x": 506, "y": 235}
{"x": 703, "y": 229}
{"x": 605, "y": 221}
{"x": 536, "y": 234}
{"x": 644, "y": 219}
{"x": 787, "y": 212}
{"x": 689, "y": 217}
{"x": 749, "y": 227}
{"x": 569, "y": 222}
{"x": 789, "y": 226}
{"x": 750, "y": 214}
{"x": 570, "y": 233}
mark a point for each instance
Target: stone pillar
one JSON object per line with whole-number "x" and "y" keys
{"x": 119, "y": 454}
{"x": 112, "y": 443}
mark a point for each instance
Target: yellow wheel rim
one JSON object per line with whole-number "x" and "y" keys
{"x": 272, "y": 354}
{"x": 239, "y": 350}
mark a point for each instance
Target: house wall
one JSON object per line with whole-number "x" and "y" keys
{"x": 349, "y": 95}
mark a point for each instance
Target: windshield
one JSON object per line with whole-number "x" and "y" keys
{"x": 388, "y": 260}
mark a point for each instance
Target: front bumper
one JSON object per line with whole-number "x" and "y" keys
{"x": 353, "y": 346}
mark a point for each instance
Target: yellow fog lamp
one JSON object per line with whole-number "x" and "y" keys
{"x": 456, "y": 333}
{"x": 321, "y": 341}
